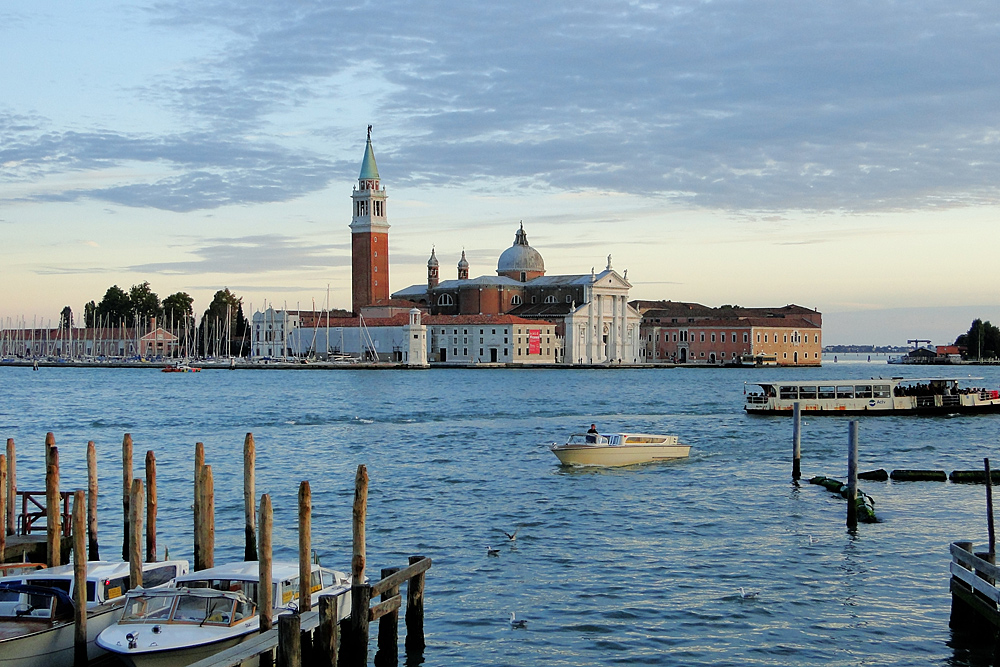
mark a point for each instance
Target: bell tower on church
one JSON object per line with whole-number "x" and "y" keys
{"x": 369, "y": 237}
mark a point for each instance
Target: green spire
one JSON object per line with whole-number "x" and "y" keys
{"x": 369, "y": 170}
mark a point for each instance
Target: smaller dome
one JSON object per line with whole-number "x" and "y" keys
{"x": 433, "y": 261}
{"x": 463, "y": 263}
{"x": 520, "y": 256}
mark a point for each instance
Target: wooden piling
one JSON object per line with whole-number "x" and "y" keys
{"x": 11, "y": 491}
{"x": 199, "y": 463}
{"x": 3, "y": 504}
{"x": 264, "y": 602}
{"x": 325, "y": 648}
{"x": 150, "y": 507}
{"x": 135, "y": 535}
{"x": 388, "y": 628}
{"x": 93, "y": 551}
{"x": 289, "y": 641}
{"x": 79, "y": 579}
{"x": 305, "y": 547}
{"x": 53, "y": 515}
{"x": 126, "y": 491}
{"x": 415, "y": 612}
{"x": 357, "y": 641}
{"x": 852, "y": 476}
{"x": 796, "y": 440}
{"x": 249, "y": 496}
{"x": 206, "y": 520}
{"x": 989, "y": 512}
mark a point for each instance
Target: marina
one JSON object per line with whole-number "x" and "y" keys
{"x": 437, "y": 490}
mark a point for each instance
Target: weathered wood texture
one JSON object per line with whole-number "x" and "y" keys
{"x": 289, "y": 641}
{"x": 80, "y": 579}
{"x": 3, "y": 504}
{"x": 11, "y": 490}
{"x": 249, "y": 496}
{"x": 199, "y": 463}
{"x": 396, "y": 579}
{"x": 93, "y": 550}
{"x": 305, "y": 547}
{"x": 852, "y": 475}
{"x": 415, "y": 610}
{"x": 989, "y": 510}
{"x": 388, "y": 622}
{"x": 150, "y": 507}
{"x": 206, "y": 522}
{"x": 266, "y": 641}
{"x": 126, "y": 491}
{"x": 325, "y": 645}
{"x": 796, "y": 441}
{"x": 136, "y": 503}
{"x": 264, "y": 563}
{"x": 354, "y": 647}
{"x": 53, "y": 515}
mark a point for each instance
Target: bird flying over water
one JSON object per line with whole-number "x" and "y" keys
{"x": 511, "y": 536}
{"x": 490, "y": 551}
{"x": 517, "y": 624}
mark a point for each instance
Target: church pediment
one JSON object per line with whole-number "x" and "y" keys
{"x": 609, "y": 279}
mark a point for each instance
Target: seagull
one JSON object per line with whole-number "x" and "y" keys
{"x": 490, "y": 551}
{"x": 511, "y": 536}
{"x": 811, "y": 540}
{"x": 751, "y": 595}
{"x": 517, "y": 624}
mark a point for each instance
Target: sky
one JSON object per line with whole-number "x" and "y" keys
{"x": 837, "y": 155}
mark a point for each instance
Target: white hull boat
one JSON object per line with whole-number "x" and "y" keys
{"x": 619, "y": 449}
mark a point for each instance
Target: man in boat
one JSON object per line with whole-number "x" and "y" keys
{"x": 592, "y": 433}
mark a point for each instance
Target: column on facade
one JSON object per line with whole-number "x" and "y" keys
{"x": 588, "y": 356}
{"x": 601, "y": 347}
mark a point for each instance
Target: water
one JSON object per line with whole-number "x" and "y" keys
{"x": 625, "y": 566}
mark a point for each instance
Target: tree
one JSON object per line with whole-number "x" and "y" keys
{"x": 224, "y": 317}
{"x": 144, "y": 302}
{"x": 982, "y": 340}
{"x": 90, "y": 314}
{"x": 115, "y": 307}
{"x": 177, "y": 308}
{"x": 66, "y": 318}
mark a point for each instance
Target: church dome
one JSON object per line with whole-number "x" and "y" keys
{"x": 433, "y": 261}
{"x": 463, "y": 263}
{"x": 520, "y": 257}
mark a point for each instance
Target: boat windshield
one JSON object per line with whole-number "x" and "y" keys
{"x": 147, "y": 608}
{"x": 587, "y": 439}
{"x": 203, "y": 609}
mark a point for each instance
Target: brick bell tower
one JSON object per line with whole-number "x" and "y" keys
{"x": 369, "y": 237}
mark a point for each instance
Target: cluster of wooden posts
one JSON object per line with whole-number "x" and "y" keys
{"x": 975, "y": 598}
{"x": 300, "y": 633}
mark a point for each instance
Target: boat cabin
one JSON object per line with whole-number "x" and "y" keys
{"x": 197, "y": 606}
{"x": 106, "y": 581}
{"x": 618, "y": 439}
{"x": 19, "y": 601}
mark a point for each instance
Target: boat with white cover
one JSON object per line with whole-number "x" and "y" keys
{"x": 36, "y": 625}
{"x": 876, "y": 396}
{"x": 618, "y": 449}
{"x": 209, "y": 611}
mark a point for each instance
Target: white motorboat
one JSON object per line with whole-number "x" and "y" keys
{"x": 209, "y": 611}
{"x": 619, "y": 449}
{"x": 37, "y": 626}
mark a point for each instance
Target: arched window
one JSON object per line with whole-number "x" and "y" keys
{"x": 550, "y": 299}
{"x": 446, "y": 300}
{"x": 515, "y": 300}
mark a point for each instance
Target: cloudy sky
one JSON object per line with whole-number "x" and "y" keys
{"x": 839, "y": 155}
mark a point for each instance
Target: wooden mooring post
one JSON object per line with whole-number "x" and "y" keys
{"x": 852, "y": 476}
{"x": 79, "y": 579}
{"x": 796, "y": 441}
{"x": 150, "y": 507}
{"x": 199, "y": 463}
{"x": 992, "y": 553}
{"x": 53, "y": 515}
{"x": 93, "y": 551}
{"x": 325, "y": 644}
{"x": 355, "y": 640}
{"x": 205, "y": 520}
{"x": 249, "y": 498}
{"x": 974, "y": 596}
{"x": 135, "y": 535}
{"x": 126, "y": 492}
{"x": 3, "y": 505}
{"x": 264, "y": 601}
{"x": 11, "y": 518}
{"x": 388, "y": 626}
{"x": 289, "y": 640}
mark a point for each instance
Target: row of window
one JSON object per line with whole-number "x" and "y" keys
{"x": 362, "y": 208}
{"x": 839, "y": 391}
{"x": 796, "y": 337}
{"x": 448, "y": 300}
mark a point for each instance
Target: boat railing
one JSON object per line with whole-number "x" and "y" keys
{"x": 925, "y": 401}
{"x": 754, "y": 399}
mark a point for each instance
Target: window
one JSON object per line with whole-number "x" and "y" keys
{"x": 882, "y": 391}
{"x": 702, "y": 336}
{"x": 534, "y": 299}
{"x": 816, "y": 338}
{"x": 455, "y": 351}
{"x": 845, "y": 392}
{"x": 505, "y": 352}
{"x": 376, "y": 253}
{"x": 524, "y": 278}
{"x": 758, "y": 338}
{"x": 746, "y": 338}
{"x": 569, "y": 299}
{"x": 675, "y": 338}
{"x": 550, "y": 299}
{"x": 465, "y": 351}
{"x": 788, "y": 393}
{"x": 480, "y": 352}
{"x": 734, "y": 338}
{"x": 713, "y": 338}
{"x": 863, "y": 391}
{"x": 807, "y": 391}
{"x": 785, "y": 337}
{"x": 515, "y": 300}
{"x": 445, "y": 300}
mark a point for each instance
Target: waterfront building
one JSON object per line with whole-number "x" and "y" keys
{"x": 369, "y": 236}
{"x": 158, "y": 343}
{"x": 590, "y": 312}
{"x": 680, "y": 332}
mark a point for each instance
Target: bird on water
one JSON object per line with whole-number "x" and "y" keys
{"x": 748, "y": 595}
{"x": 517, "y": 624}
{"x": 490, "y": 551}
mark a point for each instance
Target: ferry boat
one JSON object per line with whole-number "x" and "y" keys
{"x": 618, "y": 449}
{"x": 36, "y": 609}
{"x": 877, "y": 396}
{"x": 209, "y": 611}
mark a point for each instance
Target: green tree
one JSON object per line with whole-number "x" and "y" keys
{"x": 66, "y": 318}
{"x": 115, "y": 307}
{"x": 982, "y": 340}
{"x": 144, "y": 302}
{"x": 224, "y": 330}
{"x": 90, "y": 314}
{"x": 178, "y": 308}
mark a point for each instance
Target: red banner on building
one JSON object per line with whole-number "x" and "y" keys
{"x": 534, "y": 341}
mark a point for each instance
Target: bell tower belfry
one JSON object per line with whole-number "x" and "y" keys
{"x": 369, "y": 236}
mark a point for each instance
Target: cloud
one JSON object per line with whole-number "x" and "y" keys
{"x": 250, "y": 255}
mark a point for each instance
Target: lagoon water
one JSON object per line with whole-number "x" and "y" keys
{"x": 629, "y": 566}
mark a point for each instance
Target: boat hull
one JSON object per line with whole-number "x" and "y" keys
{"x": 180, "y": 657}
{"x": 53, "y": 646}
{"x": 618, "y": 455}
